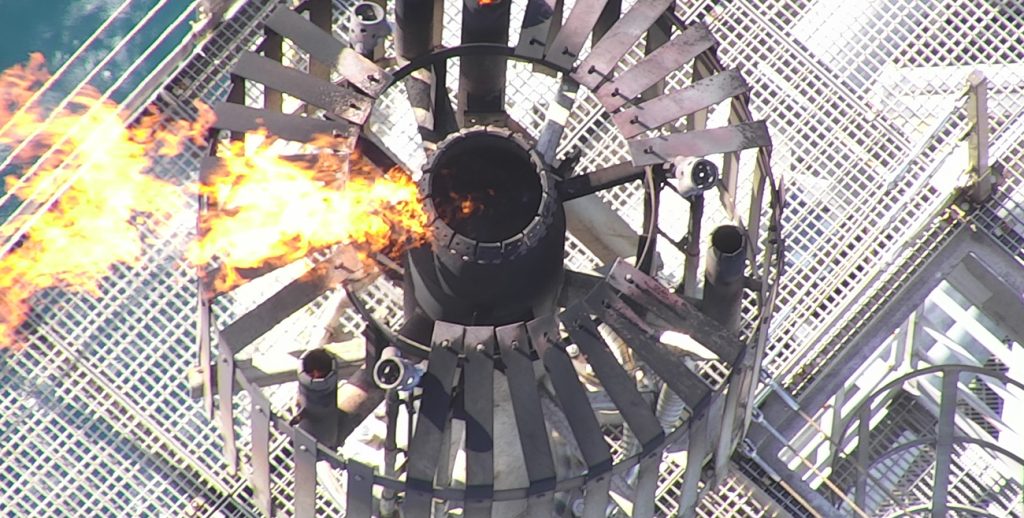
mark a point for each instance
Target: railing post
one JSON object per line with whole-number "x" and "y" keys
{"x": 977, "y": 138}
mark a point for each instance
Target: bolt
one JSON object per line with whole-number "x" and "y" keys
{"x": 302, "y": 447}
{"x": 480, "y": 348}
{"x": 629, "y": 278}
{"x": 373, "y": 78}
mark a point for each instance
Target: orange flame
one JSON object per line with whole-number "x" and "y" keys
{"x": 267, "y": 209}
{"x": 270, "y": 209}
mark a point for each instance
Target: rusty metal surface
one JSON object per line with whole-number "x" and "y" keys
{"x": 235, "y": 117}
{"x": 661, "y": 149}
{"x": 599, "y": 64}
{"x": 655, "y": 66}
{"x": 666, "y": 108}
{"x": 566, "y": 46}
{"x": 674, "y": 310}
{"x": 342, "y": 102}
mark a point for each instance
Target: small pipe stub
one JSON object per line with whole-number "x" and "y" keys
{"x": 367, "y": 27}
{"x": 318, "y": 395}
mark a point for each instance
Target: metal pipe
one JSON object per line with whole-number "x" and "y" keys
{"x": 415, "y": 37}
{"x": 318, "y": 393}
{"x": 389, "y": 497}
{"x": 606, "y": 178}
{"x": 723, "y": 277}
{"x": 414, "y": 27}
{"x": 482, "y": 78}
{"x": 368, "y": 27}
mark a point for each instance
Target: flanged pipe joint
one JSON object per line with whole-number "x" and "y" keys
{"x": 367, "y": 27}
{"x": 498, "y": 232}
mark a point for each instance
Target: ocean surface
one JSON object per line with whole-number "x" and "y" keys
{"x": 57, "y": 28}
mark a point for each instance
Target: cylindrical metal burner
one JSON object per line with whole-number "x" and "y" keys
{"x": 498, "y": 234}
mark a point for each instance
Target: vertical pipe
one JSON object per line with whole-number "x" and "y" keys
{"x": 417, "y": 24}
{"x": 944, "y": 430}
{"x": 389, "y": 498}
{"x": 482, "y": 78}
{"x": 318, "y": 395}
{"x": 273, "y": 45}
{"x": 414, "y": 27}
{"x": 723, "y": 276}
{"x": 692, "y": 262}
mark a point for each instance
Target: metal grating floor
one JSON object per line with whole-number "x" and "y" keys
{"x": 864, "y": 107}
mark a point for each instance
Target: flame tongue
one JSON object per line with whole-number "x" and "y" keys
{"x": 267, "y": 209}
{"x": 96, "y": 220}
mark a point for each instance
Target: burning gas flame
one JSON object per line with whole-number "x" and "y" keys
{"x": 269, "y": 208}
{"x": 81, "y": 172}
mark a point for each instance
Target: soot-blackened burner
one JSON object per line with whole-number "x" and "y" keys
{"x": 498, "y": 235}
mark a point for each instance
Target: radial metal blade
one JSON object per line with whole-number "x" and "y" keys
{"x": 357, "y": 70}
{"x": 663, "y": 109}
{"x": 622, "y": 36}
{"x": 434, "y": 415}
{"x": 235, "y": 117}
{"x": 620, "y": 385}
{"x": 565, "y": 48}
{"x": 337, "y": 100}
{"x": 514, "y": 345}
{"x": 662, "y": 149}
{"x": 478, "y": 403}
{"x": 655, "y": 66}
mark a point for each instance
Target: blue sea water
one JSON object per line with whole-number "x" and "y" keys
{"x": 57, "y": 28}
